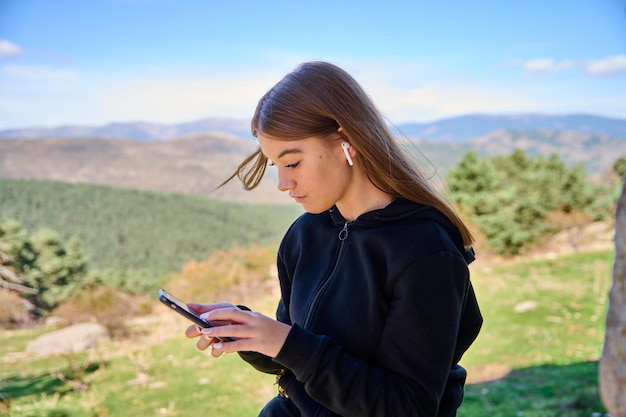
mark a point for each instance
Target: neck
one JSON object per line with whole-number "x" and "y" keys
{"x": 363, "y": 200}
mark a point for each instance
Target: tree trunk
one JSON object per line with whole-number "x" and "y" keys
{"x": 613, "y": 362}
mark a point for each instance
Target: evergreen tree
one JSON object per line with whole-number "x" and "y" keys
{"x": 619, "y": 167}
{"x": 472, "y": 184}
{"x": 511, "y": 198}
{"x": 52, "y": 270}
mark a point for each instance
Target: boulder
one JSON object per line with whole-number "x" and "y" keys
{"x": 71, "y": 339}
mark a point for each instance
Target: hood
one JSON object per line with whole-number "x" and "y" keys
{"x": 400, "y": 209}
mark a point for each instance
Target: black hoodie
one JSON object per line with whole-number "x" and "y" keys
{"x": 381, "y": 309}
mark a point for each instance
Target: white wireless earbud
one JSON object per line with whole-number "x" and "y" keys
{"x": 346, "y": 149}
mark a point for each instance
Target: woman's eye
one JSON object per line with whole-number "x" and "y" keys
{"x": 273, "y": 164}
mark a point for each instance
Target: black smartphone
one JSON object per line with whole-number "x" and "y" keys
{"x": 182, "y": 309}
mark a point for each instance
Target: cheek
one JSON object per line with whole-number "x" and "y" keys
{"x": 325, "y": 171}
{"x": 331, "y": 177}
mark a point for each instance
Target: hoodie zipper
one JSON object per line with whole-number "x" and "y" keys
{"x": 343, "y": 235}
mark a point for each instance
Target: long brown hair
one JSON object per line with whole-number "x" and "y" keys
{"x": 318, "y": 98}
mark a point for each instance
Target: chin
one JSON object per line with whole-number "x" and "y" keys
{"x": 315, "y": 209}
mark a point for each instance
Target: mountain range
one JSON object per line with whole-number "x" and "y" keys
{"x": 454, "y": 129}
{"x": 196, "y": 157}
{"x": 135, "y": 130}
{"x": 468, "y": 127}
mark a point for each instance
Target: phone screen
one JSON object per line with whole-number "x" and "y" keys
{"x": 181, "y": 307}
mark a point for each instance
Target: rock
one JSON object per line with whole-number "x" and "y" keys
{"x": 525, "y": 306}
{"x": 613, "y": 361}
{"x": 71, "y": 339}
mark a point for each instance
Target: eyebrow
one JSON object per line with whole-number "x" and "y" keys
{"x": 288, "y": 151}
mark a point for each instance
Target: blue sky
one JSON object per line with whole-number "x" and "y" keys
{"x": 89, "y": 62}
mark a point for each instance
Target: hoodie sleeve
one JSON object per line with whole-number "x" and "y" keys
{"x": 264, "y": 363}
{"x": 416, "y": 353}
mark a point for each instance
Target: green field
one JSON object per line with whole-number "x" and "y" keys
{"x": 536, "y": 356}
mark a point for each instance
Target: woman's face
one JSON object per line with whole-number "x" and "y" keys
{"x": 314, "y": 170}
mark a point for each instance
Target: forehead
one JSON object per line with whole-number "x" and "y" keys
{"x": 275, "y": 149}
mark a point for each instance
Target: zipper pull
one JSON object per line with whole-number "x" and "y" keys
{"x": 343, "y": 235}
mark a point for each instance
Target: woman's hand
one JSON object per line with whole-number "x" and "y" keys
{"x": 194, "y": 330}
{"x": 252, "y": 331}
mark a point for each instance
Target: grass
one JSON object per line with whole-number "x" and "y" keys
{"x": 543, "y": 335}
{"x": 538, "y": 391}
{"x": 549, "y": 311}
{"x": 165, "y": 377}
{"x": 537, "y": 356}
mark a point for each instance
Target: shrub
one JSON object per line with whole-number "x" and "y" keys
{"x": 223, "y": 271}
{"x": 15, "y": 311}
{"x": 105, "y": 305}
{"x": 512, "y": 199}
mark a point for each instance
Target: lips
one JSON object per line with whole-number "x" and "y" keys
{"x": 298, "y": 199}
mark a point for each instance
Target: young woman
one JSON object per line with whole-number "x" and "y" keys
{"x": 376, "y": 303}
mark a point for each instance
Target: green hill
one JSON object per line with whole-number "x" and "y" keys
{"x": 127, "y": 230}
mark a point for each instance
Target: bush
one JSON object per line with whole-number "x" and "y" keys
{"x": 105, "y": 305}
{"x": 14, "y": 310}
{"x": 222, "y": 273}
{"x": 513, "y": 199}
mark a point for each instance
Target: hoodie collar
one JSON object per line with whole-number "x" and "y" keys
{"x": 400, "y": 209}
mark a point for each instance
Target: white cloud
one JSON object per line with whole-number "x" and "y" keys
{"x": 612, "y": 65}
{"x": 439, "y": 100}
{"x": 31, "y": 73}
{"x": 542, "y": 66}
{"x": 40, "y": 95}
{"x": 9, "y": 49}
{"x": 408, "y": 93}
{"x": 404, "y": 90}
{"x": 180, "y": 96}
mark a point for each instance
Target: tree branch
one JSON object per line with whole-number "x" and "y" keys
{"x": 17, "y": 281}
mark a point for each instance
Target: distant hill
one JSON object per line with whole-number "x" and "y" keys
{"x": 138, "y": 130}
{"x": 596, "y": 152}
{"x": 140, "y": 156}
{"x": 194, "y": 164}
{"x": 463, "y": 128}
{"x": 454, "y": 129}
{"x": 197, "y": 164}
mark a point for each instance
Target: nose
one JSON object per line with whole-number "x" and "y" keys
{"x": 284, "y": 181}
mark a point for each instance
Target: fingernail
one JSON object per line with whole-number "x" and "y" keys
{"x": 203, "y": 316}
{"x": 206, "y": 330}
{"x": 217, "y": 345}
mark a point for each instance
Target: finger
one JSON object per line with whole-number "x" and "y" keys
{"x": 193, "y": 331}
{"x": 204, "y": 342}
{"x": 221, "y": 347}
{"x": 203, "y": 308}
{"x": 240, "y": 325}
{"x": 228, "y": 331}
{"x": 217, "y": 352}
{"x": 204, "y": 316}
{"x": 227, "y": 314}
